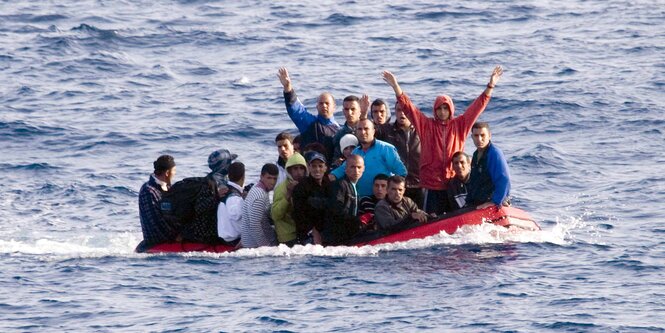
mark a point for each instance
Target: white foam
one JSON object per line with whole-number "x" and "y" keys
{"x": 123, "y": 244}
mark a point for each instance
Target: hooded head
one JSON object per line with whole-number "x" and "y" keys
{"x": 220, "y": 160}
{"x": 441, "y": 100}
{"x": 296, "y": 160}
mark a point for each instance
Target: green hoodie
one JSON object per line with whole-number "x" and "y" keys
{"x": 280, "y": 212}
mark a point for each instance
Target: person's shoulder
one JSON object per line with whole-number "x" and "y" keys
{"x": 382, "y": 203}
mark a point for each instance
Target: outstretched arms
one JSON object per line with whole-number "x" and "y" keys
{"x": 494, "y": 78}
{"x": 392, "y": 81}
{"x": 283, "y": 75}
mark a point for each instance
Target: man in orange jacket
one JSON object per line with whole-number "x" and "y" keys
{"x": 441, "y": 137}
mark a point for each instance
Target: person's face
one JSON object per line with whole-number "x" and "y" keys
{"x": 402, "y": 120}
{"x": 297, "y": 172}
{"x": 481, "y": 137}
{"x": 380, "y": 188}
{"x": 326, "y": 105}
{"x": 365, "y": 131}
{"x": 170, "y": 176}
{"x": 354, "y": 169}
{"x": 379, "y": 114}
{"x": 443, "y": 112}
{"x": 317, "y": 169}
{"x": 461, "y": 166}
{"x": 284, "y": 148}
{"x": 269, "y": 181}
{"x": 351, "y": 111}
{"x": 395, "y": 192}
{"x": 348, "y": 151}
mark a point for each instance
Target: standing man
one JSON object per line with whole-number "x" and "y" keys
{"x": 256, "y": 230}
{"x": 229, "y": 211}
{"x": 441, "y": 137}
{"x": 155, "y": 229}
{"x": 379, "y": 157}
{"x": 285, "y": 148}
{"x": 457, "y": 188}
{"x": 404, "y": 137}
{"x": 351, "y": 109}
{"x": 489, "y": 183}
{"x": 282, "y": 206}
{"x": 380, "y": 115}
{"x": 320, "y": 128}
{"x": 307, "y": 214}
{"x": 396, "y": 209}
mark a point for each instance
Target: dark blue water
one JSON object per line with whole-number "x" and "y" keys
{"x": 93, "y": 91}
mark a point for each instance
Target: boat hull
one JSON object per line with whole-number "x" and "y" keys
{"x": 504, "y": 216}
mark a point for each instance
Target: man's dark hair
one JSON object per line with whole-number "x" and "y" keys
{"x": 284, "y": 136}
{"x": 351, "y": 98}
{"x": 481, "y": 124}
{"x": 378, "y": 102}
{"x": 236, "y": 171}
{"x": 163, "y": 164}
{"x": 269, "y": 169}
{"x": 317, "y": 147}
{"x": 468, "y": 158}
{"x": 381, "y": 176}
{"x": 396, "y": 179}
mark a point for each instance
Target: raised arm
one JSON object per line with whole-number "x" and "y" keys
{"x": 364, "y": 106}
{"x": 392, "y": 81}
{"x": 283, "y": 75}
{"x": 494, "y": 79}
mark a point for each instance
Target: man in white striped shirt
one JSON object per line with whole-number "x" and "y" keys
{"x": 256, "y": 229}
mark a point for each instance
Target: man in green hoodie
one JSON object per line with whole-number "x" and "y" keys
{"x": 282, "y": 206}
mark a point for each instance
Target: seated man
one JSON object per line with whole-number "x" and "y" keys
{"x": 396, "y": 209}
{"x": 306, "y": 214}
{"x": 457, "y": 187}
{"x": 489, "y": 182}
{"x": 229, "y": 211}
{"x": 282, "y": 207}
{"x": 256, "y": 229}
{"x": 155, "y": 229}
{"x": 341, "y": 221}
{"x": 367, "y": 204}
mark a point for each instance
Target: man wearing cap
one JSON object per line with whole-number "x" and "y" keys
{"x": 155, "y": 229}
{"x": 347, "y": 144}
{"x": 203, "y": 228}
{"x": 441, "y": 137}
{"x": 379, "y": 157}
{"x": 320, "y": 128}
{"x": 306, "y": 213}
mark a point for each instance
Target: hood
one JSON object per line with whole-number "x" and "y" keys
{"x": 444, "y": 99}
{"x": 296, "y": 159}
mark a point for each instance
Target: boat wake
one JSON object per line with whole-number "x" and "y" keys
{"x": 563, "y": 233}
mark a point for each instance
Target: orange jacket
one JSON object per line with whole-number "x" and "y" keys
{"x": 440, "y": 139}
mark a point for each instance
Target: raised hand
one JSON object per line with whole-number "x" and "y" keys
{"x": 283, "y": 75}
{"x": 364, "y": 106}
{"x": 496, "y": 75}
{"x": 392, "y": 81}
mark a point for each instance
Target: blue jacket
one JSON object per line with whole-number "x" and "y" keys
{"x": 489, "y": 179}
{"x": 381, "y": 157}
{"x": 312, "y": 128}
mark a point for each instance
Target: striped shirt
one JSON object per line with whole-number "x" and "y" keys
{"x": 256, "y": 228}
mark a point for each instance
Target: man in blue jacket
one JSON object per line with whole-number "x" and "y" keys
{"x": 379, "y": 156}
{"x": 489, "y": 182}
{"x": 320, "y": 128}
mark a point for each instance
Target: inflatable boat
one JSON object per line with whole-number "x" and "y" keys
{"x": 509, "y": 217}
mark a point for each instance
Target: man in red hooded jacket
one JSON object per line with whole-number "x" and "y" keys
{"x": 441, "y": 137}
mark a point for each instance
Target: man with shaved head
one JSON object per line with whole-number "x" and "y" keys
{"x": 320, "y": 128}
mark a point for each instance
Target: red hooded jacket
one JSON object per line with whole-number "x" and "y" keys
{"x": 440, "y": 139}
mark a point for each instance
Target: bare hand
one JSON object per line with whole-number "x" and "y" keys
{"x": 283, "y": 75}
{"x": 420, "y": 216}
{"x": 364, "y": 106}
{"x": 496, "y": 75}
{"x": 392, "y": 81}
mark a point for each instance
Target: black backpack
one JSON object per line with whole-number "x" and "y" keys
{"x": 177, "y": 204}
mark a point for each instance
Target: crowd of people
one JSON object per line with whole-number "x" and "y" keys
{"x": 331, "y": 182}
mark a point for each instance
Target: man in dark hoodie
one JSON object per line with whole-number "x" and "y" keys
{"x": 441, "y": 137}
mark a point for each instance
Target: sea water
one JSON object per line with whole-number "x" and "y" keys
{"x": 93, "y": 91}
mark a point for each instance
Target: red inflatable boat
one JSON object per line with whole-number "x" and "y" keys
{"x": 508, "y": 217}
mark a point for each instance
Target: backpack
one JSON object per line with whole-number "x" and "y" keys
{"x": 178, "y": 203}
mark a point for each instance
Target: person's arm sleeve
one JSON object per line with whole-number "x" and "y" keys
{"x": 396, "y": 165}
{"x": 297, "y": 111}
{"x": 411, "y": 112}
{"x": 280, "y": 205}
{"x": 384, "y": 217}
{"x": 473, "y": 112}
{"x": 498, "y": 170}
{"x": 339, "y": 171}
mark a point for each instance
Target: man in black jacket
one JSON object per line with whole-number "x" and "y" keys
{"x": 342, "y": 222}
{"x": 457, "y": 187}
